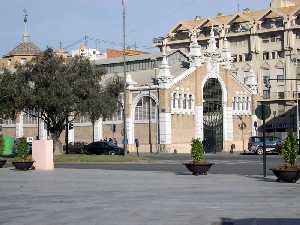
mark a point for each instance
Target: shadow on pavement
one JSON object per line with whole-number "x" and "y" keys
{"x": 258, "y": 221}
{"x": 261, "y": 178}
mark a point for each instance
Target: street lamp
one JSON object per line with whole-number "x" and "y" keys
{"x": 124, "y": 79}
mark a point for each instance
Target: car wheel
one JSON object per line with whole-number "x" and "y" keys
{"x": 260, "y": 151}
{"x": 111, "y": 153}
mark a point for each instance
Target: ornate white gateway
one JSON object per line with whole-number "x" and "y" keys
{"x": 214, "y": 118}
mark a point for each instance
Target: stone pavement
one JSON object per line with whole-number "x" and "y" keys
{"x": 103, "y": 197}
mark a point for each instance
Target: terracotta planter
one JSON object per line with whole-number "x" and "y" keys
{"x": 289, "y": 175}
{"x": 2, "y": 163}
{"x": 23, "y": 165}
{"x": 200, "y": 168}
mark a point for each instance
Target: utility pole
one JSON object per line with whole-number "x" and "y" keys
{"x": 149, "y": 114}
{"x": 125, "y": 140}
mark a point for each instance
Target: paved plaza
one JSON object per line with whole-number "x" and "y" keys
{"x": 110, "y": 197}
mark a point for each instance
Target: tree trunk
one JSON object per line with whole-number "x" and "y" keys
{"x": 57, "y": 145}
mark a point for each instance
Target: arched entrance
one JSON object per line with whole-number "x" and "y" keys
{"x": 213, "y": 116}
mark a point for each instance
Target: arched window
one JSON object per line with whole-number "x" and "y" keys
{"x": 179, "y": 101}
{"x": 239, "y": 103}
{"x": 243, "y": 103}
{"x": 174, "y": 100}
{"x": 190, "y": 101}
{"x": 184, "y": 101}
{"x": 234, "y": 104}
{"x": 142, "y": 109}
{"x": 247, "y": 104}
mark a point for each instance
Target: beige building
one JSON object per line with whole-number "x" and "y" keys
{"x": 206, "y": 82}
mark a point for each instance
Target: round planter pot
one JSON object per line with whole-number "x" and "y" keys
{"x": 2, "y": 163}
{"x": 289, "y": 175}
{"x": 23, "y": 165}
{"x": 198, "y": 168}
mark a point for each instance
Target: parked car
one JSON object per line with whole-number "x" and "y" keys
{"x": 273, "y": 144}
{"x": 103, "y": 148}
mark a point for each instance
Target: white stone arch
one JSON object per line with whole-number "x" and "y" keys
{"x": 223, "y": 86}
{"x": 134, "y": 104}
{"x": 139, "y": 97}
{"x": 227, "y": 110}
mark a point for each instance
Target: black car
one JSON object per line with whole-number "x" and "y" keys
{"x": 103, "y": 148}
{"x": 273, "y": 144}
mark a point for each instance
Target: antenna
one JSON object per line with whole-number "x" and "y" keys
{"x": 238, "y": 5}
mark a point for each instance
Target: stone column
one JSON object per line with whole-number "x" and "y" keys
{"x": 98, "y": 130}
{"x": 227, "y": 123}
{"x": 43, "y": 130}
{"x": 165, "y": 124}
{"x": 19, "y": 125}
{"x": 71, "y": 135}
{"x": 165, "y": 120}
{"x": 130, "y": 121}
{"x": 199, "y": 122}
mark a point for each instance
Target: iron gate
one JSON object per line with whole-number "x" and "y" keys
{"x": 213, "y": 116}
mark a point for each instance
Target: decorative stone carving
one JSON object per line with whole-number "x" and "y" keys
{"x": 195, "y": 48}
{"x": 164, "y": 75}
{"x": 251, "y": 82}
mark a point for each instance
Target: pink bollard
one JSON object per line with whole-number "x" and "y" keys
{"x": 42, "y": 154}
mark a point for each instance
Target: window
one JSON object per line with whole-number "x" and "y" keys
{"x": 280, "y": 54}
{"x": 234, "y": 58}
{"x": 184, "y": 101}
{"x": 142, "y": 109}
{"x": 266, "y": 56}
{"x": 240, "y": 58}
{"x": 280, "y": 75}
{"x": 273, "y": 55}
{"x": 266, "y": 94}
{"x": 281, "y": 95}
{"x": 190, "y": 101}
{"x": 234, "y": 104}
{"x": 266, "y": 76}
{"x": 247, "y": 104}
{"x": 273, "y": 39}
{"x": 297, "y": 34}
{"x": 174, "y": 100}
{"x": 179, "y": 101}
{"x": 248, "y": 56}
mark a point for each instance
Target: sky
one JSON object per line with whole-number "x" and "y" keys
{"x": 52, "y": 22}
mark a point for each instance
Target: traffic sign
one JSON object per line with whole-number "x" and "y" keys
{"x": 263, "y": 112}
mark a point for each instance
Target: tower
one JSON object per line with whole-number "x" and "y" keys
{"x": 26, "y": 35}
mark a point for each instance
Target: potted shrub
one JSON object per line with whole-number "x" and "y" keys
{"x": 23, "y": 160}
{"x": 289, "y": 172}
{"x": 199, "y": 166}
{"x": 2, "y": 161}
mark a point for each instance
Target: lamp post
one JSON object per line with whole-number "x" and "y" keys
{"x": 124, "y": 80}
{"x": 155, "y": 82}
{"x": 149, "y": 121}
{"x": 274, "y": 116}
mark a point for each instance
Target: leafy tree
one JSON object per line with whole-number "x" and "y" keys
{"x": 56, "y": 88}
{"x": 197, "y": 150}
{"x": 289, "y": 150}
{"x": 105, "y": 105}
{"x": 22, "y": 151}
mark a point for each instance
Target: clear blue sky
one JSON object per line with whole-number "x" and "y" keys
{"x": 67, "y": 21}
